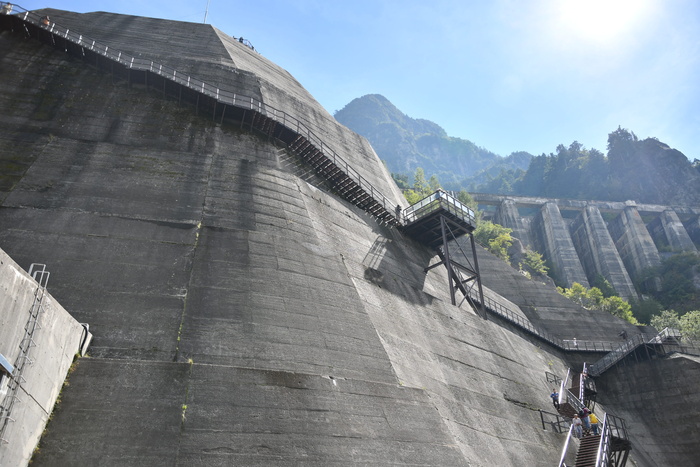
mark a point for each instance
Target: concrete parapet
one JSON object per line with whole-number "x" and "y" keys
{"x": 597, "y": 252}
{"x": 41, "y": 355}
{"x": 551, "y": 237}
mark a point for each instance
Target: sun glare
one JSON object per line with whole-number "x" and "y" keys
{"x": 601, "y": 21}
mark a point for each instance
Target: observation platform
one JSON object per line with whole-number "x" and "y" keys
{"x": 423, "y": 221}
{"x": 437, "y": 221}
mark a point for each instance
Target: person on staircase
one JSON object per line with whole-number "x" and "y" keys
{"x": 583, "y": 415}
{"x": 576, "y": 422}
{"x": 594, "y": 423}
{"x": 555, "y": 398}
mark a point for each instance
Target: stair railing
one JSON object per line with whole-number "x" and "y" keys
{"x": 628, "y": 347}
{"x": 582, "y": 384}
{"x": 574, "y": 401}
{"x": 222, "y": 96}
{"x": 563, "y": 385}
{"x": 557, "y": 422}
{"x": 565, "y": 449}
{"x": 603, "y": 456}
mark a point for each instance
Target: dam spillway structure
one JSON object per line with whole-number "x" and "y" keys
{"x": 251, "y": 297}
{"x": 616, "y": 241}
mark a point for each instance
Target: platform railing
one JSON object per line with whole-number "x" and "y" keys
{"x": 439, "y": 200}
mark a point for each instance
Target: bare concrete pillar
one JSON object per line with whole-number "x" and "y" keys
{"x": 633, "y": 242}
{"x": 693, "y": 229}
{"x": 507, "y": 215}
{"x": 668, "y": 232}
{"x": 550, "y": 236}
{"x": 597, "y": 252}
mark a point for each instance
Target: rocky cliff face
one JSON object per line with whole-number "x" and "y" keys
{"x": 650, "y": 171}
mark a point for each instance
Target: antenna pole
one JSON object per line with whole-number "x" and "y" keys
{"x": 206, "y": 12}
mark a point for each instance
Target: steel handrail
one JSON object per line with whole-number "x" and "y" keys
{"x": 223, "y": 96}
{"x": 562, "y": 459}
{"x": 626, "y": 348}
{"x": 603, "y": 454}
{"x": 574, "y": 401}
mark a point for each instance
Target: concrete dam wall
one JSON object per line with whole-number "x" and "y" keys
{"x": 243, "y": 312}
{"x": 583, "y": 245}
{"x": 38, "y": 341}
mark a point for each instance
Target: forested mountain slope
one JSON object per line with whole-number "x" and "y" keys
{"x": 405, "y": 143}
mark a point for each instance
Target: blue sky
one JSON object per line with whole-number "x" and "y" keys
{"x": 508, "y": 75}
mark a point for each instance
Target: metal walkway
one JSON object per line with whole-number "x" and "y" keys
{"x": 222, "y": 104}
{"x": 420, "y": 221}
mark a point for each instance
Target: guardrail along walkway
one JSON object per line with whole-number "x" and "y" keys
{"x": 222, "y": 104}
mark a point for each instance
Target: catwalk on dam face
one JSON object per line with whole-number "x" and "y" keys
{"x": 243, "y": 311}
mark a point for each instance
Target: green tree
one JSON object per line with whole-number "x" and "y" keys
{"x": 434, "y": 184}
{"x": 534, "y": 263}
{"x": 645, "y": 309}
{"x": 495, "y": 238}
{"x": 690, "y": 325}
{"x": 411, "y": 196}
{"x": 666, "y": 319}
{"x": 588, "y": 298}
{"x": 593, "y": 299}
{"x": 420, "y": 185}
{"x": 604, "y": 285}
{"x": 401, "y": 181}
{"x": 466, "y": 199}
{"x": 616, "y": 306}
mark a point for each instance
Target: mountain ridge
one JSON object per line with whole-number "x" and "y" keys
{"x": 645, "y": 170}
{"x": 406, "y": 143}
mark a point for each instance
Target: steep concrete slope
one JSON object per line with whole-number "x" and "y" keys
{"x": 659, "y": 398}
{"x": 242, "y": 313}
{"x": 546, "y": 308}
{"x": 202, "y": 51}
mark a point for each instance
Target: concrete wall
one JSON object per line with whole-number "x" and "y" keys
{"x": 550, "y": 235}
{"x": 659, "y": 400}
{"x": 598, "y": 254}
{"x": 56, "y": 341}
{"x": 668, "y": 232}
{"x": 634, "y": 243}
{"x": 507, "y": 215}
{"x": 673, "y": 229}
{"x": 242, "y": 313}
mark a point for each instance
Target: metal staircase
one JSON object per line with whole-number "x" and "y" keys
{"x": 651, "y": 344}
{"x": 222, "y": 104}
{"x": 610, "y": 448}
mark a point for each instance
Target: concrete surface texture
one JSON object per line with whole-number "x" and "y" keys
{"x": 598, "y": 254}
{"x": 591, "y": 234}
{"x": 659, "y": 400}
{"x": 242, "y": 313}
{"x": 668, "y": 231}
{"x": 551, "y": 236}
{"x": 40, "y": 340}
